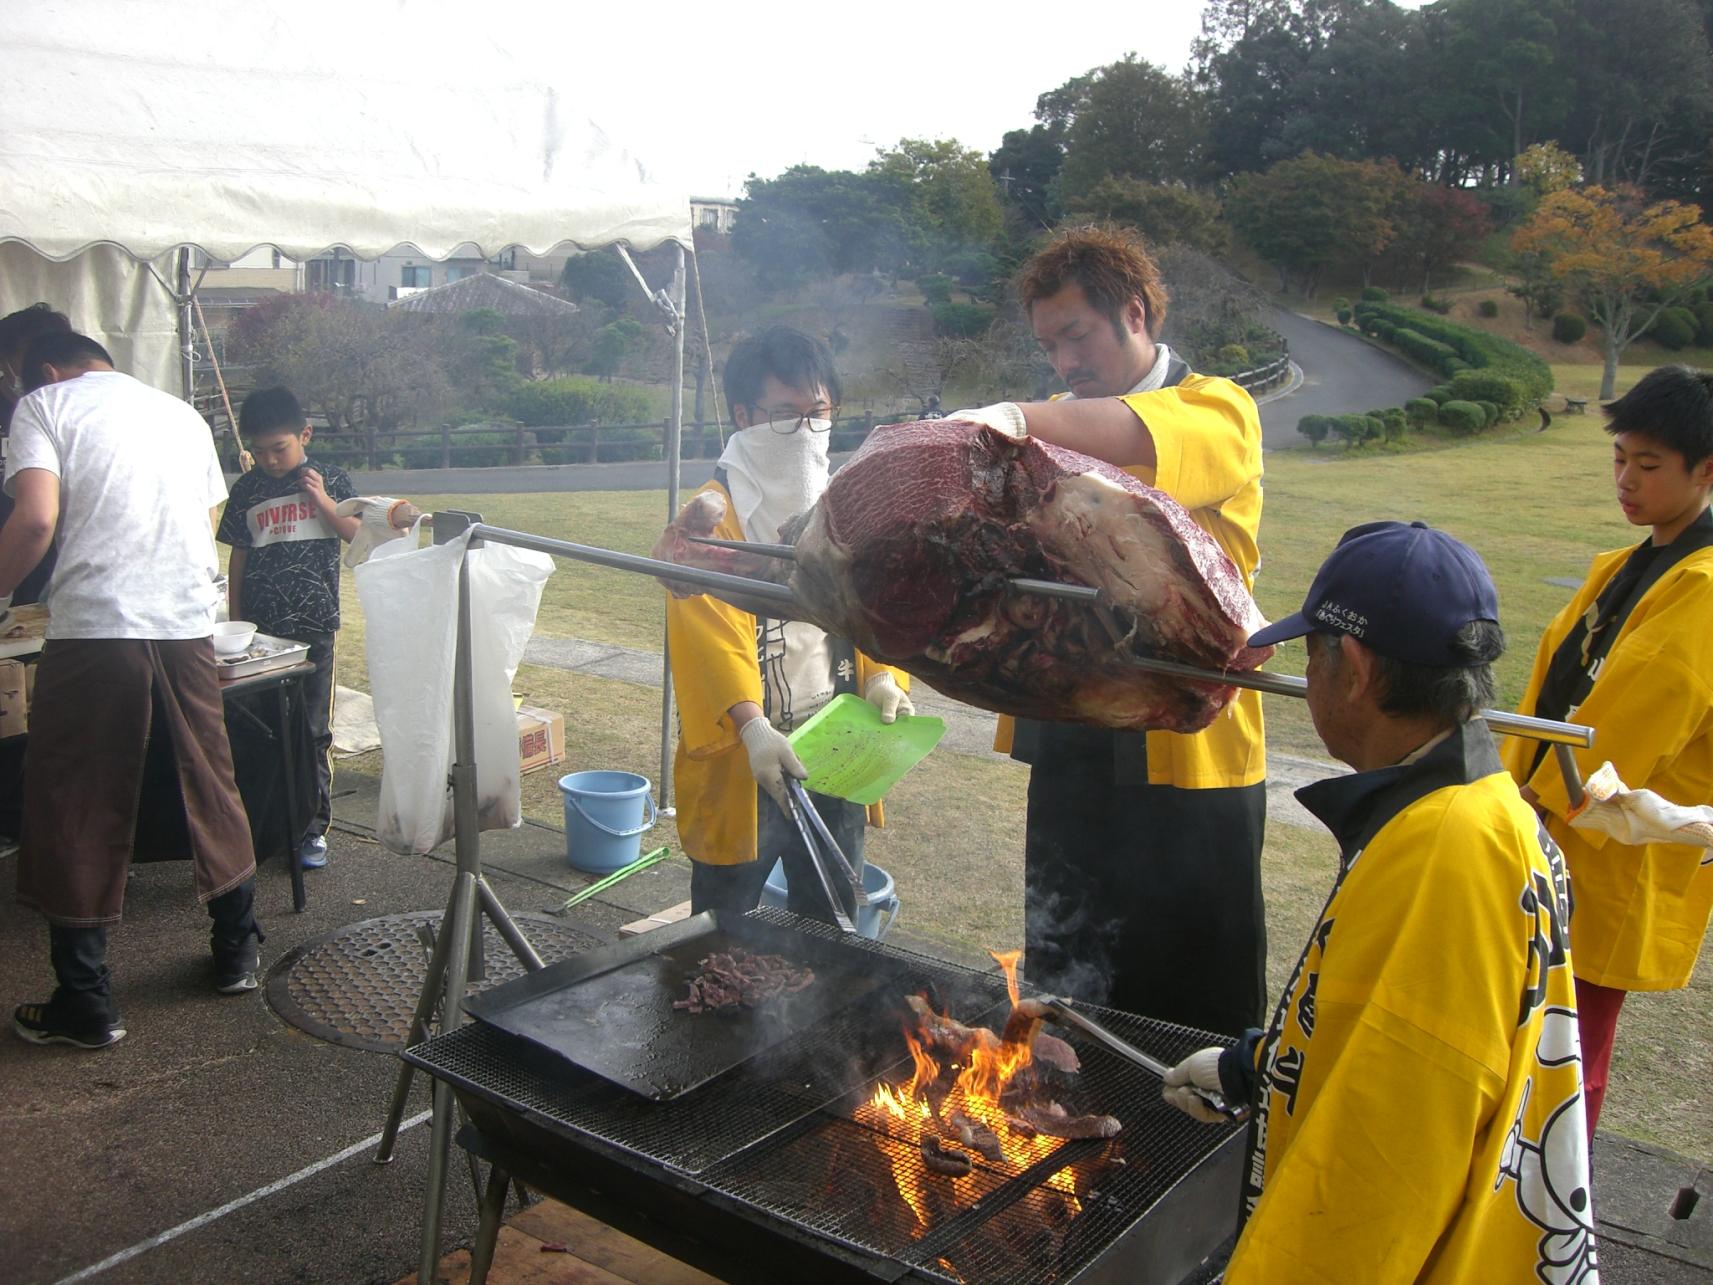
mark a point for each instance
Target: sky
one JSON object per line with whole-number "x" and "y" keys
{"x": 757, "y": 85}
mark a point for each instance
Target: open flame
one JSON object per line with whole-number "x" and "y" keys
{"x": 905, "y": 1114}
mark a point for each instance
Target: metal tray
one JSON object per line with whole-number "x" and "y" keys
{"x": 266, "y": 653}
{"x": 610, "y": 1011}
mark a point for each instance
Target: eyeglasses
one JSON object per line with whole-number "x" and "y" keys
{"x": 786, "y": 420}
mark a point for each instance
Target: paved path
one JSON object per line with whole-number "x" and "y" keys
{"x": 1341, "y": 372}
{"x": 968, "y": 730}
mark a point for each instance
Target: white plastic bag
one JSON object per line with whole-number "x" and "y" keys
{"x": 410, "y": 608}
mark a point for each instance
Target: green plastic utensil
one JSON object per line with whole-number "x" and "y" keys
{"x": 852, "y": 755}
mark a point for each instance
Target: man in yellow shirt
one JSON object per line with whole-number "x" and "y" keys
{"x": 744, "y": 682}
{"x": 1417, "y": 1111}
{"x": 1143, "y": 850}
{"x": 1631, "y": 655}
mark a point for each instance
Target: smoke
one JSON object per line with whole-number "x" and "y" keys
{"x": 1072, "y": 945}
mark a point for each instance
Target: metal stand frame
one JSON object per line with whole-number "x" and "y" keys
{"x": 456, "y": 957}
{"x": 457, "y": 947}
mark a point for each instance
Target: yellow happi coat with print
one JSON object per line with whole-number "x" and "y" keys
{"x": 714, "y": 666}
{"x": 1207, "y": 444}
{"x": 1641, "y": 912}
{"x": 1419, "y": 1114}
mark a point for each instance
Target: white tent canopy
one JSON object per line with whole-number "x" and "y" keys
{"x": 304, "y": 125}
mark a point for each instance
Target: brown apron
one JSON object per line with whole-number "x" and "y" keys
{"x": 90, "y": 723}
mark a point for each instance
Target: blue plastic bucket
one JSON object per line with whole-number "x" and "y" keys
{"x": 606, "y": 815}
{"x": 873, "y": 921}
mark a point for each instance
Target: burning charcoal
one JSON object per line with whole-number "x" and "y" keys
{"x": 944, "y": 1160}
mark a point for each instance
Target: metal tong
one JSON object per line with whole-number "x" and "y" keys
{"x": 1060, "y": 1012}
{"x": 824, "y": 852}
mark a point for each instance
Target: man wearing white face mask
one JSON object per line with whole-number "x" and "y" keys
{"x": 742, "y": 681}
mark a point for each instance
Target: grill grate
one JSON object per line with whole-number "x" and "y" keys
{"x": 779, "y": 1135}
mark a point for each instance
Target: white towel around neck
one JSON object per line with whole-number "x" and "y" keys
{"x": 773, "y": 477}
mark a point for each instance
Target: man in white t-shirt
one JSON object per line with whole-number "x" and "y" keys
{"x": 130, "y": 477}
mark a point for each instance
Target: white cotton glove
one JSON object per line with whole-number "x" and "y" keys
{"x": 383, "y": 518}
{"x": 1640, "y": 816}
{"x": 883, "y": 692}
{"x": 771, "y": 759}
{"x": 1200, "y": 1070}
{"x": 1001, "y": 417}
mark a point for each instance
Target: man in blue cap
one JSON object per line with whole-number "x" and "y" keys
{"x": 1416, "y": 1101}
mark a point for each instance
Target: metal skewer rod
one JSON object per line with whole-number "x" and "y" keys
{"x": 1538, "y": 729}
{"x": 765, "y": 590}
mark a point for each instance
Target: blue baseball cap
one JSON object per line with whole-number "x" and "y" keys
{"x": 1401, "y": 588}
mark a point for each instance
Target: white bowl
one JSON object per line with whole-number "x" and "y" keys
{"x": 233, "y": 637}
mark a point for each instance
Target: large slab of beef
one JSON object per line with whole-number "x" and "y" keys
{"x": 909, "y": 552}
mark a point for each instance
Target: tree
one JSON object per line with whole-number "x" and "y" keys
{"x": 1026, "y": 169}
{"x": 1545, "y": 168}
{"x": 947, "y": 194}
{"x": 1305, "y": 215}
{"x": 1625, "y": 259}
{"x": 1130, "y": 119}
{"x": 1162, "y": 212}
{"x": 815, "y": 222}
{"x": 599, "y": 275}
{"x": 358, "y": 365}
{"x": 1438, "y": 226}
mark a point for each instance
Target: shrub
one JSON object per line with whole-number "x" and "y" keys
{"x": 1315, "y": 428}
{"x": 962, "y": 320}
{"x": 1703, "y": 324}
{"x": 1462, "y": 417}
{"x": 1488, "y": 307}
{"x": 1344, "y": 316}
{"x": 1340, "y": 302}
{"x": 1374, "y": 294}
{"x": 1486, "y": 386}
{"x": 1396, "y": 422}
{"x": 1674, "y": 328}
{"x": 936, "y": 288}
{"x": 1384, "y": 330}
{"x": 1421, "y": 411}
{"x": 1568, "y": 328}
{"x": 1439, "y": 395}
{"x": 1356, "y": 429}
{"x": 555, "y": 404}
{"x": 1234, "y": 355}
{"x": 1436, "y": 303}
{"x": 1491, "y": 412}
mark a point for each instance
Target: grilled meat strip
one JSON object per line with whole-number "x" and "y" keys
{"x": 1053, "y": 1120}
{"x": 738, "y": 979}
{"x": 973, "y": 1134}
{"x": 941, "y": 1159}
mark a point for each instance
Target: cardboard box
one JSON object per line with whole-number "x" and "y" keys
{"x": 540, "y": 737}
{"x": 14, "y": 700}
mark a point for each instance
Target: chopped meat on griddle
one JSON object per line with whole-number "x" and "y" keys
{"x": 737, "y": 978}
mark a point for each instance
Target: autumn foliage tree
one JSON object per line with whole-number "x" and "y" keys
{"x": 1627, "y": 260}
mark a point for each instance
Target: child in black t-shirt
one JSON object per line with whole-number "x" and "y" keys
{"x": 284, "y": 573}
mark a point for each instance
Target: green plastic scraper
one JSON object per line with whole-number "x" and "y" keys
{"x": 852, "y": 755}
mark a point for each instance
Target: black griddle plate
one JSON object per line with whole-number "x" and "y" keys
{"x": 610, "y": 1011}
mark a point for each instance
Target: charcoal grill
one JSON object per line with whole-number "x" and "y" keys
{"x": 770, "y": 1161}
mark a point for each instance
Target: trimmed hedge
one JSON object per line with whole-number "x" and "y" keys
{"x": 1462, "y": 417}
{"x": 1422, "y": 411}
{"x": 1374, "y": 294}
{"x": 1486, "y": 386}
{"x": 1488, "y": 308}
{"x": 1568, "y": 328}
{"x": 1475, "y": 349}
{"x": 1491, "y": 412}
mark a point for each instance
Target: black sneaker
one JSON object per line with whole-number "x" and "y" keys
{"x": 44, "y": 1024}
{"x": 235, "y": 970}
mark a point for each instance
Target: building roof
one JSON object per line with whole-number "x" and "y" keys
{"x": 485, "y": 290}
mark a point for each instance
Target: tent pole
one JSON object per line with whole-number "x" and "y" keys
{"x": 674, "y": 440}
{"x": 186, "y": 328}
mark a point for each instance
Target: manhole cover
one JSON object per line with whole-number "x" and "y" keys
{"x": 359, "y": 986}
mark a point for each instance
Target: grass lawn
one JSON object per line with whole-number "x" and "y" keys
{"x": 1535, "y": 505}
